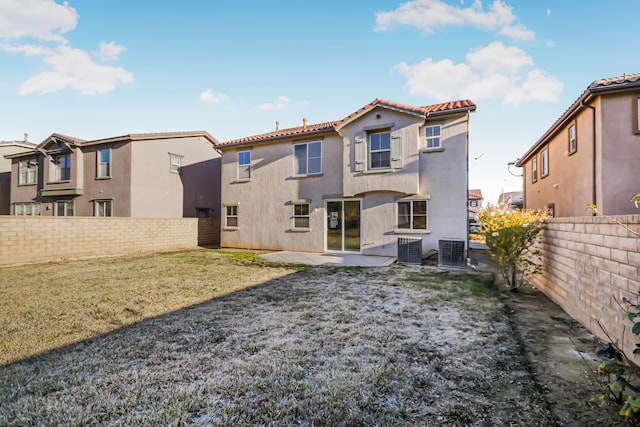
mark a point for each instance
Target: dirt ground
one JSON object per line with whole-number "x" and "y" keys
{"x": 560, "y": 350}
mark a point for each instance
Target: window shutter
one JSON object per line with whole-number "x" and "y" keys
{"x": 396, "y": 149}
{"x": 360, "y": 146}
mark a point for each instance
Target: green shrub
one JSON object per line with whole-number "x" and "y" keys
{"x": 510, "y": 235}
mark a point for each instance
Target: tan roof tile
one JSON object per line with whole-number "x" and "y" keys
{"x": 334, "y": 125}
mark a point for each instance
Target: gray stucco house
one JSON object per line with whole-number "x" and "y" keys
{"x": 153, "y": 175}
{"x": 353, "y": 185}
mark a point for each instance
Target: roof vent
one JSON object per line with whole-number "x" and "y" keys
{"x": 304, "y": 122}
{"x": 277, "y": 126}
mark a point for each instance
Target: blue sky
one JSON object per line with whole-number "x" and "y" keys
{"x": 96, "y": 69}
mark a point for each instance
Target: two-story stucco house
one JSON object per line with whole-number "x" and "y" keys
{"x": 7, "y": 148}
{"x": 354, "y": 185}
{"x": 589, "y": 155}
{"x": 159, "y": 175}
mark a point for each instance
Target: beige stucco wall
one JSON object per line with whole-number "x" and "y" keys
{"x": 157, "y": 192}
{"x": 115, "y": 188}
{"x": 6, "y": 168}
{"x": 620, "y": 156}
{"x": 443, "y": 175}
{"x": 569, "y": 185}
{"x": 265, "y": 202}
{"x": 404, "y": 180}
{"x": 265, "y": 211}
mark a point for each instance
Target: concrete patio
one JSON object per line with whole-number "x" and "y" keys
{"x": 330, "y": 259}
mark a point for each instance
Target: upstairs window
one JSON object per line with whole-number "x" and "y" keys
{"x": 573, "y": 142}
{"x": 534, "y": 169}
{"x": 62, "y": 164}
{"x": 308, "y": 158}
{"x": 301, "y": 215}
{"x": 380, "y": 150}
{"x": 636, "y": 114}
{"x": 103, "y": 169}
{"x": 244, "y": 164}
{"x": 28, "y": 172}
{"x": 544, "y": 162}
{"x": 412, "y": 215}
{"x": 432, "y": 136}
{"x": 175, "y": 163}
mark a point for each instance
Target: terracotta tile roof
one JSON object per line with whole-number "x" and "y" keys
{"x": 612, "y": 84}
{"x": 282, "y": 133}
{"x": 335, "y": 125}
{"x": 625, "y": 79}
{"x": 475, "y": 195}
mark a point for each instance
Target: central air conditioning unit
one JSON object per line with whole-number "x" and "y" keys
{"x": 451, "y": 253}
{"x": 410, "y": 250}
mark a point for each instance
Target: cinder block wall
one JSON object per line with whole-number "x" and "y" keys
{"x": 590, "y": 265}
{"x": 209, "y": 232}
{"x": 38, "y": 239}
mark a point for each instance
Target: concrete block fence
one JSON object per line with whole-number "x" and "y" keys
{"x": 40, "y": 239}
{"x": 591, "y": 264}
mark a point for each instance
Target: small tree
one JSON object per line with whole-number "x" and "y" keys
{"x": 510, "y": 235}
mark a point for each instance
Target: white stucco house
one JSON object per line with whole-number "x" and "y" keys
{"x": 353, "y": 185}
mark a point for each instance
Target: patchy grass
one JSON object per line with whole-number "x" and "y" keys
{"x": 317, "y": 346}
{"x": 46, "y": 306}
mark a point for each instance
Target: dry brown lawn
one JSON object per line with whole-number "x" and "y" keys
{"x": 214, "y": 338}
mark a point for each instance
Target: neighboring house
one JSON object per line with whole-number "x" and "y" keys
{"x": 475, "y": 202}
{"x": 590, "y": 155}
{"x": 511, "y": 198}
{"x": 161, "y": 175}
{"x": 354, "y": 185}
{"x": 6, "y": 148}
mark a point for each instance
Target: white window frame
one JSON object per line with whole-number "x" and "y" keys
{"x": 99, "y": 163}
{"x": 244, "y": 168}
{"x": 68, "y": 205}
{"x": 27, "y": 209}
{"x": 104, "y": 203}
{"x": 378, "y": 151}
{"x": 307, "y": 159}
{"x": 299, "y": 214}
{"x": 28, "y": 172}
{"x": 60, "y": 169}
{"x": 433, "y": 141}
{"x": 231, "y": 212}
{"x": 573, "y": 140}
{"x": 544, "y": 163}
{"x": 175, "y": 163}
{"x": 534, "y": 169}
{"x": 412, "y": 215}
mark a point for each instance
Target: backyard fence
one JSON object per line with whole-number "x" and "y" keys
{"x": 39, "y": 239}
{"x": 591, "y": 264}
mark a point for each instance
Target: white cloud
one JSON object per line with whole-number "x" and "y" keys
{"x": 110, "y": 51}
{"x": 493, "y": 72}
{"x": 74, "y": 68}
{"x": 211, "y": 97}
{"x": 548, "y": 12}
{"x": 496, "y": 57}
{"x": 277, "y": 105}
{"x": 435, "y": 79}
{"x": 47, "y": 21}
{"x": 42, "y": 19}
{"x": 428, "y": 15}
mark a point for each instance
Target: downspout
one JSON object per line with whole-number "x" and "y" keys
{"x": 593, "y": 165}
{"x": 466, "y": 203}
